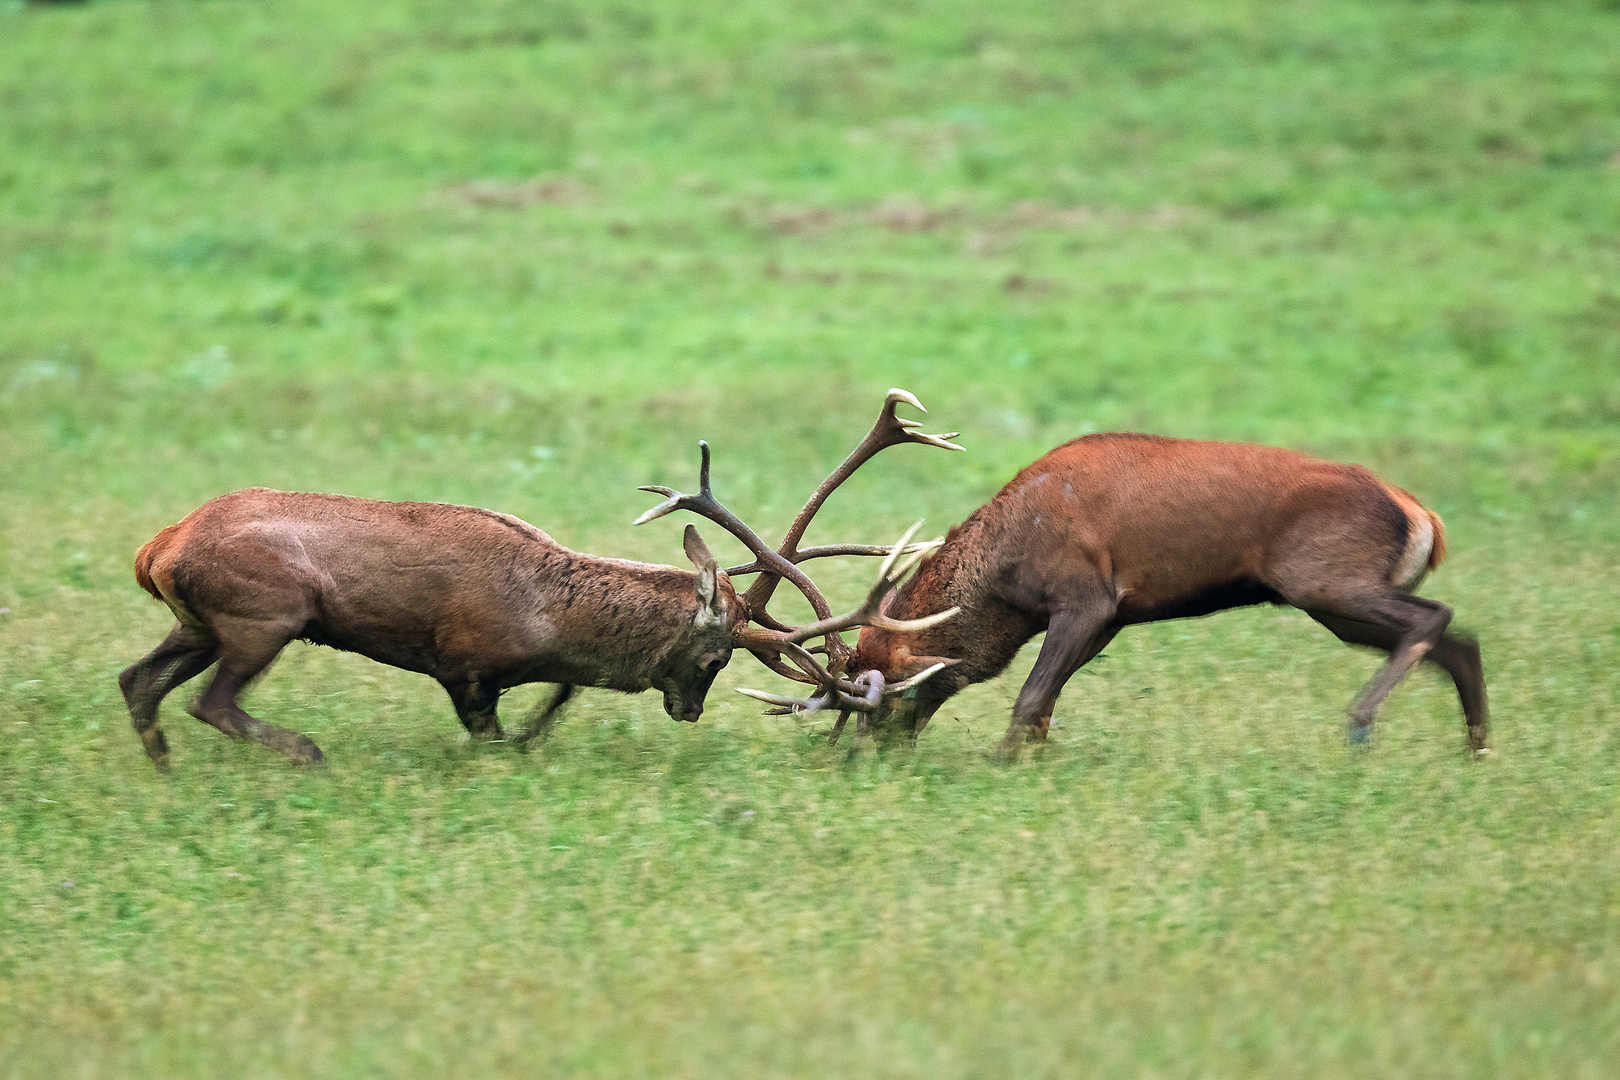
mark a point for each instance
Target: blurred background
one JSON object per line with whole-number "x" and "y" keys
{"x": 524, "y": 254}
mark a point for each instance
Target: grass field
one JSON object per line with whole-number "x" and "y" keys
{"x": 525, "y": 255}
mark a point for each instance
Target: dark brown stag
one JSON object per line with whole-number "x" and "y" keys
{"x": 480, "y": 601}
{"x": 1111, "y": 530}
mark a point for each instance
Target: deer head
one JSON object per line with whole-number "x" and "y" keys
{"x": 689, "y": 668}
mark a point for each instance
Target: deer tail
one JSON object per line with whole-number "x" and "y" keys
{"x": 1437, "y": 551}
{"x": 1425, "y": 543}
{"x": 144, "y": 558}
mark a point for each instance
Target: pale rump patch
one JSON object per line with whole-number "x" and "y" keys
{"x": 164, "y": 580}
{"x": 1414, "y": 562}
{"x": 1420, "y": 541}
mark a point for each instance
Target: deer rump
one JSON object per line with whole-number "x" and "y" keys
{"x": 1111, "y": 530}
{"x": 480, "y": 601}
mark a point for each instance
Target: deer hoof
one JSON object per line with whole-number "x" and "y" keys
{"x": 1360, "y": 734}
{"x": 305, "y": 752}
{"x": 156, "y": 747}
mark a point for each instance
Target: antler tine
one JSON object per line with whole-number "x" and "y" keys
{"x": 874, "y": 691}
{"x": 704, "y": 504}
{"x": 831, "y": 685}
{"x": 768, "y": 646}
{"x": 868, "y": 614}
{"x": 859, "y": 697}
{"x": 674, "y": 502}
{"x": 786, "y": 706}
{"x": 897, "y": 395}
{"x": 920, "y": 677}
{"x": 863, "y": 693}
{"x": 889, "y": 430}
{"x": 774, "y": 699}
{"x": 894, "y": 552}
{"x": 821, "y": 552}
{"x": 866, "y": 700}
{"x": 874, "y": 688}
{"x": 772, "y": 661}
{"x": 799, "y": 706}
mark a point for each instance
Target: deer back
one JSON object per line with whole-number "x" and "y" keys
{"x": 1173, "y": 526}
{"x": 424, "y": 586}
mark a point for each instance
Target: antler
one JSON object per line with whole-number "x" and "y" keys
{"x": 889, "y": 430}
{"x": 706, "y": 505}
{"x": 850, "y": 696}
{"x": 889, "y": 575}
{"x": 822, "y": 551}
{"x": 859, "y": 695}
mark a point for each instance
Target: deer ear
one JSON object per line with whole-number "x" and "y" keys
{"x": 708, "y": 587}
{"x": 696, "y": 549}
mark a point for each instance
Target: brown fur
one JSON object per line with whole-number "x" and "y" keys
{"x": 1411, "y": 507}
{"x": 144, "y": 557}
{"x": 1111, "y": 530}
{"x": 1437, "y": 553}
{"x": 478, "y": 600}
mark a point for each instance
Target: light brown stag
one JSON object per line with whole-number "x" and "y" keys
{"x": 478, "y": 600}
{"x": 1115, "y": 529}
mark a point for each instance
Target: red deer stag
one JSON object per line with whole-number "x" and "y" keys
{"x": 1115, "y": 529}
{"x": 480, "y": 601}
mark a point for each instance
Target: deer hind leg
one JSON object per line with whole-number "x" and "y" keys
{"x": 1456, "y": 654}
{"x": 1073, "y": 637}
{"x": 1408, "y": 627}
{"x": 1459, "y": 655}
{"x": 541, "y": 718}
{"x": 247, "y": 647}
{"x": 184, "y": 654}
{"x": 475, "y": 704}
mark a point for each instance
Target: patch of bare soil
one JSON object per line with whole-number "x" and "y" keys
{"x": 513, "y": 194}
{"x": 908, "y": 214}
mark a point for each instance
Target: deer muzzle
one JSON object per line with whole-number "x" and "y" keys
{"x": 680, "y": 706}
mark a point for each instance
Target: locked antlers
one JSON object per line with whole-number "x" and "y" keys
{"x": 773, "y": 640}
{"x": 864, "y": 694}
{"x": 889, "y": 430}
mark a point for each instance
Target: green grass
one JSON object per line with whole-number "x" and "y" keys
{"x": 524, "y": 255}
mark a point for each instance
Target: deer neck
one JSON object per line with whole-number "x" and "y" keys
{"x": 629, "y": 615}
{"x": 985, "y": 635}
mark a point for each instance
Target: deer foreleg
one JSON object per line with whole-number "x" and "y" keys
{"x": 1073, "y": 636}
{"x": 541, "y": 718}
{"x": 838, "y": 728}
{"x": 475, "y": 704}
